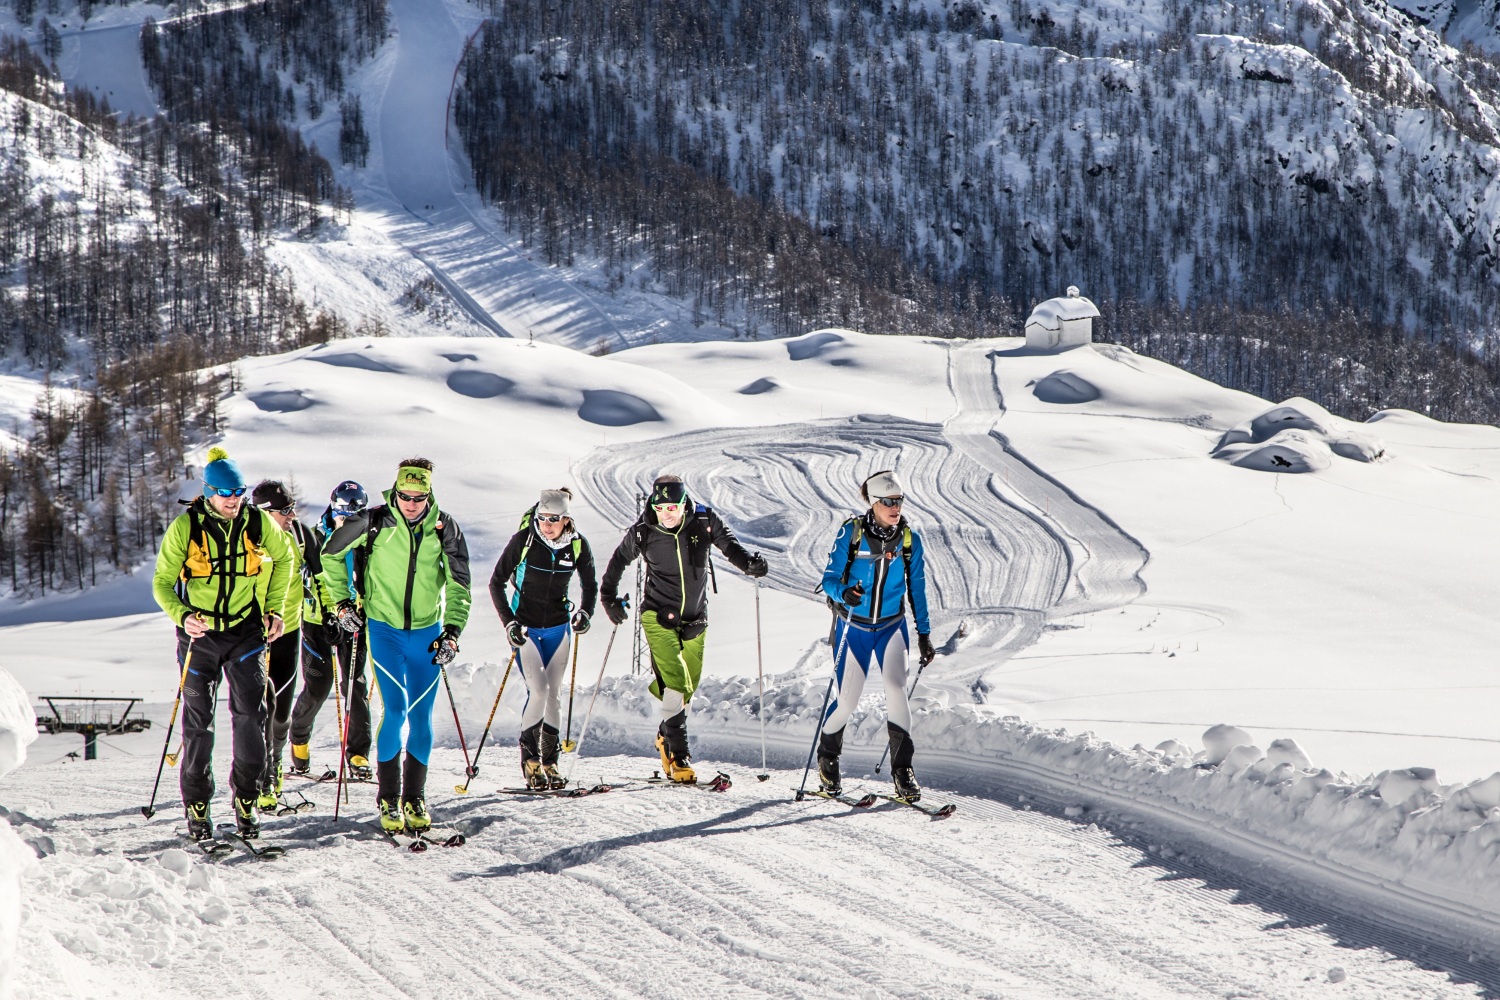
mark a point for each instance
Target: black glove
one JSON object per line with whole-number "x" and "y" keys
{"x": 925, "y": 653}
{"x": 757, "y": 567}
{"x": 349, "y": 618}
{"x": 580, "y": 622}
{"x": 515, "y": 634}
{"x": 616, "y": 609}
{"x": 333, "y": 632}
{"x": 853, "y": 595}
{"x": 445, "y": 647}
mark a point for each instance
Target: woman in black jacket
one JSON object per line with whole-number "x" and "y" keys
{"x": 538, "y": 564}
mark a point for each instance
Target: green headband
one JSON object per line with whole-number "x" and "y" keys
{"x": 414, "y": 479}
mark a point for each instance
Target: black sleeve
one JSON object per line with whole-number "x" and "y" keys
{"x": 625, "y": 554}
{"x": 456, "y": 548}
{"x": 349, "y": 532}
{"x": 586, "y": 578}
{"x": 312, "y": 549}
{"x": 726, "y": 543}
{"x": 506, "y": 566}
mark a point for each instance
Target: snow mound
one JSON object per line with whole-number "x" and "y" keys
{"x": 17, "y": 723}
{"x": 613, "y": 408}
{"x": 282, "y": 400}
{"x": 759, "y": 386}
{"x": 479, "y": 385}
{"x": 1065, "y": 387}
{"x": 813, "y": 345}
{"x": 1295, "y": 436}
{"x": 351, "y": 360}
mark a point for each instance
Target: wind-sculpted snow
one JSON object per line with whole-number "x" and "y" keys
{"x": 785, "y": 490}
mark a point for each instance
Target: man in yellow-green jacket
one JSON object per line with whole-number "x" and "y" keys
{"x": 221, "y": 576}
{"x": 415, "y": 586}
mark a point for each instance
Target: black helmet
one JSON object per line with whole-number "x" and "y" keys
{"x": 348, "y": 497}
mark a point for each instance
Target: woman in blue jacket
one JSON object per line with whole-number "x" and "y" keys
{"x": 875, "y": 569}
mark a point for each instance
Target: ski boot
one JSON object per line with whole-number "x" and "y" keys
{"x": 245, "y": 823}
{"x": 391, "y": 819}
{"x": 830, "y": 747}
{"x": 301, "y": 760}
{"x": 413, "y": 792}
{"x": 902, "y": 775}
{"x": 200, "y": 825}
{"x": 549, "y": 743}
{"x": 359, "y": 768}
{"x": 270, "y": 795}
{"x": 416, "y": 814}
{"x": 554, "y": 778}
{"x": 531, "y": 770}
{"x": 678, "y": 769}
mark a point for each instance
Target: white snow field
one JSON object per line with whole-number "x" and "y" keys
{"x": 1102, "y": 577}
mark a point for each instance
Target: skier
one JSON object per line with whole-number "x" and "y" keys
{"x": 323, "y": 641}
{"x": 272, "y": 497}
{"x": 416, "y": 594}
{"x": 673, "y": 537}
{"x": 867, "y": 584}
{"x": 212, "y": 580}
{"x": 539, "y": 562}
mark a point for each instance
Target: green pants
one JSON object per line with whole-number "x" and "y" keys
{"x": 678, "y": 664}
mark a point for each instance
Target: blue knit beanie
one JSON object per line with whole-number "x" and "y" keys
{"x": 221, "y": 472}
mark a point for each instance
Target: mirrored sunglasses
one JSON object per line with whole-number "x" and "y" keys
{"x": 890, "y": 501}
{"x": 286, "y": 511}
{"x": 667, "y": 508}
{"x": 217, "y": 491}
{"x": 550, "y": 518}
{"x": 411, "y": 497}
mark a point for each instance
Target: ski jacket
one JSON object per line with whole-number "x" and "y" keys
{"x": 541, "y": 575}
{"x": 677, "y": 568}
{"x": 353, "y": 564}
{"x": 414, "y": 574}
{"x": 890, "y": 569}
{"x": 217, "y": 567}
{"x": 306, "y": 591}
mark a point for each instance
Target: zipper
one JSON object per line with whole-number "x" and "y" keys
{"x": 881, "y": 570}
{"x": 681, "y": 575}
{"x": 411, "y": 567}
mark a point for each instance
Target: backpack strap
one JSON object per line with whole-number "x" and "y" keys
{"x": 855, "y": 537}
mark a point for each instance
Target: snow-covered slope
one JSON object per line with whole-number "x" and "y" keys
{"x": 1099, "y": 562}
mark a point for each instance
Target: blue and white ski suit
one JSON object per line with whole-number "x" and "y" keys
{"x": 875, "y": 629}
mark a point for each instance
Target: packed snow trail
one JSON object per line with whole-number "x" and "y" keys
{"x": 1104, "y": 561}
{"x": 652, "y": 891}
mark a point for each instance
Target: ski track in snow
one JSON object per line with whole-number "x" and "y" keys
{"x": 669, "y": 893}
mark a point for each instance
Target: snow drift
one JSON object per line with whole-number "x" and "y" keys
{"x": 17, "y": 730}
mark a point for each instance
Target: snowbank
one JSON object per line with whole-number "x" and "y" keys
{"x": 17, "y": 730}
{"x": 1296, "y": 436}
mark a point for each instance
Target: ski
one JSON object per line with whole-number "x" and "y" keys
{"x": 558, "y": 793}
{"x": 721, "y": 782}
{"x": 285, "y": 806}
{"x": 860, "y": 802}
{"x": 211, "y": 848}
{"x": 434, "y": 835}
{"x": 415, "y": 845}
{"x": 266, "y": 852}
{"x": 937, "y": 812}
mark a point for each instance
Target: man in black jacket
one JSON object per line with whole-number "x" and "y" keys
{"x": 673, "y": 537}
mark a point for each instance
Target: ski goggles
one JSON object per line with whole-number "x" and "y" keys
{"x": 550, "y": 518}
{"x": 668, "y": 508}
{"x": 220, "y": 491}
{"x": 411, "y": 497}
{"x": 890, "y": 501}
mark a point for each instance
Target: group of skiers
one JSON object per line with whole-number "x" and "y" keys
{"x": 255, "y": 593}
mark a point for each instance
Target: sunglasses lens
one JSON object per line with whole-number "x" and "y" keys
{"x": 549, "y": 518}
{"x": 890, "y": 501}
{"x": 219, "y": 491}
{"x": 411, "y": 497}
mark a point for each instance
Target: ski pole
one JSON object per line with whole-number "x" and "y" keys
{"x": 822, "y": 713}
{"x": 339, "y": 695}
{"x": 338, "y": 689}
{"x": 150, "y": 810}
{"x": 597, "y": 685}
{"x": 468, "y": 768}
{"x": 567, "y": 744}
{"x": 464, "y": 788}
{"x": 760, "y": 674}
{"x": 886, "y": 752}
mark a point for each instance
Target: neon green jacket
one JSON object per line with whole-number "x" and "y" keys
{"x": 218, "y": 567}
{"x": 413, "y": 576}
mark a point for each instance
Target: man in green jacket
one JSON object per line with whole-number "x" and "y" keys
{"x": 416, "y": 596}
{"x": 221, "y": 576}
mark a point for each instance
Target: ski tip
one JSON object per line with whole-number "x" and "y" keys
{"x": 947, "y": 810}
